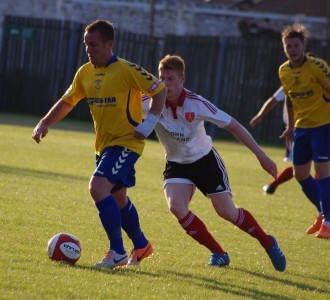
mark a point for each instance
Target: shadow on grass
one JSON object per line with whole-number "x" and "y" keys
{"x": 196, "y": 281}
{"x": 298, "y": 285}
{"x": 122, "y": 271}
{"x": 225, "y": 287}
{"x": 38, "y": 173}
{"x": 207, "y": 283}
{"x": 325, "y": 279}
{"x": 254, "y": 293}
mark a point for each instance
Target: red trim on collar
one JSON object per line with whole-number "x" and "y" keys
{"x": 182, "y": 97}
{"x": 180, "y": 103}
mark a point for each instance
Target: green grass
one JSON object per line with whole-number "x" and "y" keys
{"x": 44, "y": 190}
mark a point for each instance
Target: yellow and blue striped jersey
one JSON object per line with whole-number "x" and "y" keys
{"x": 114, "y": 95}
{"x": 306, "y": 88}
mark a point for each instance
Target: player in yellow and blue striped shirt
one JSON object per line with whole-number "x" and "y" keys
{"x": 306, "y": 83}
{"x": 112, "y": 87}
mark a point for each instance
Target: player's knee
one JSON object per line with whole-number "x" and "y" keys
{"x": 121, "y": 197}
{"x": 178, "y": 211}
{"x": 233, "y": 215}
{"x": 322, "y": 170}
{"x": 301, "y": 176}
{"x": 93, "y": 191}
{"x": 173, "y": 209}
{"x": 97, "y": 190}
{"x": 302, "y": 172}
{"x": 230, "y": 214}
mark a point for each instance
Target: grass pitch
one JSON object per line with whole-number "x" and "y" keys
{"x": 44, "y": 191}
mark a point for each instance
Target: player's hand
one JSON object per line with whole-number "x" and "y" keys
{"x": 39, "y": 132}
{"x": 288, "y": 136}
{"x": 268, "y": 165}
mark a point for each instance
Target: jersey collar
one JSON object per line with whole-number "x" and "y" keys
{"x": 112, "y": 60}
{"x": 180, "y": 103}
{"x": 303, "y": 61}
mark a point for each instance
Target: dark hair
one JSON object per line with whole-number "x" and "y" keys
{"x": 172, "y": 62}
{"x": 295, "y": 31}
{"x": 104, "y": 27}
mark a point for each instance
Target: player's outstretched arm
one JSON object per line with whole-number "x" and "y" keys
{"x": 265, "y": 109}
{"x": 242, "y": 135}
{"x": 56, "y": 113}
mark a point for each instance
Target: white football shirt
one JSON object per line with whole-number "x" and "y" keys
{"x": 181, "y": 129}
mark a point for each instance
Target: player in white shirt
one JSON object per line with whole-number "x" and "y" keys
{"x": 192, "y": 162}
{"x": 268, "y": 106}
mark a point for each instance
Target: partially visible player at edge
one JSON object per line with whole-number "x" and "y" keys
{"x": 112, "y": 87}
{"x": 191, "y": 161}
{"x": 306, "y": 83}
{"x": 268, "y": 106}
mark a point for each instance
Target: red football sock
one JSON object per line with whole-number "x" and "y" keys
{"x": 284, "y": 176}
{"x": 248, "y": 223}
{"x": 198, "y": 231}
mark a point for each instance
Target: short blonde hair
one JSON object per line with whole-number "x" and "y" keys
{"x": 172, "y": 62}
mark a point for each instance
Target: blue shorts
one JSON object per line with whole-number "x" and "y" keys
{"x": 311, "y": 144}
{"x": 116, "y": 163}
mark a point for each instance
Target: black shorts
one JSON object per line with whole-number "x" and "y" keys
{"x": 208, "y": 174}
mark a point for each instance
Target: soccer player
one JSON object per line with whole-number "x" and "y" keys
{"x": 268, "y": 106}
{"x": 191, "y": 161}
{"x": 306, "y": 83}
{"x": 112, "y": 88}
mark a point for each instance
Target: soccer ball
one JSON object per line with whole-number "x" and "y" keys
{"x": 64, "y": 247}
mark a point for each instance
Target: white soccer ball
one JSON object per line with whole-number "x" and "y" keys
{"x": 64, "y": 247}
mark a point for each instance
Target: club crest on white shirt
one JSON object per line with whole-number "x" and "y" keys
{"x": 190, "y": 116}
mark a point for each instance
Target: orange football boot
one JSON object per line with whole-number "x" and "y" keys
{"x": 324, "y": 232}
{"x": 137, "y": 255}
{"x": 315, "y": 227}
